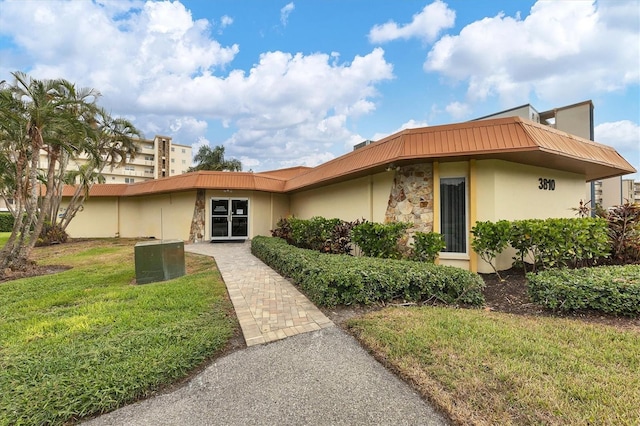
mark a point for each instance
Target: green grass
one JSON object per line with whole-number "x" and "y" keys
{"x": 493, "y": 368}
{"x": 4, "y": 236}
{"x": 86, "y": 340}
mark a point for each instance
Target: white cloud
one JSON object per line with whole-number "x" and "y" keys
{"x": 411, "y": 124}
{"x": 621, "y": 134}
{"x": 624, "y": 136}
{"x": 561, "y": 51}
{"x": 158, "y": 65}
{"x": 425, "y": 25}
{"x": 132, "y": 47}
{"x": 225, "y": 21}
{"x": 458, "y": 110}
{"x": 285, "y": 12}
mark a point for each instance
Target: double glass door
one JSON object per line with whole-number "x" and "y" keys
{"x": 229, "y": 218}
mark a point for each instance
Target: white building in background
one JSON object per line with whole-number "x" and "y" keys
{"x": 576, "y": 119}
{"x": 157, "y": 158}
{"x": 630, "y": 191}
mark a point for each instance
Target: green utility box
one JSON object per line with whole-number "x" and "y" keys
{"x": 159, "y": 260}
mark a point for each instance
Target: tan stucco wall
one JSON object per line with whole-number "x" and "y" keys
{"x": 166, "y": 216}
{"x": 98, "y": 219}
{"x": 509, "y": 191}
{"x": 365, "y": 197}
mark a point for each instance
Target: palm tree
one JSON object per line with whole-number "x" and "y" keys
{"x": 48, "y": 116}
{"x": 112, "y": 143}
{"x": 213, "y": 159}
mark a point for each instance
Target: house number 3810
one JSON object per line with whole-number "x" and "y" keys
{"x": 547, "y": 184}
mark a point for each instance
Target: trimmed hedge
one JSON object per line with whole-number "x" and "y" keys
{"x": 6, "y": 222}
{"x": 610, "y": 289}
{"x": 331, "y": 279}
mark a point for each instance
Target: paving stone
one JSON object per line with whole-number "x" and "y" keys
{"x": 268, "y": 306}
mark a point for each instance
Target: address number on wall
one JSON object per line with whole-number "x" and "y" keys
{"x": 547, "y": 184}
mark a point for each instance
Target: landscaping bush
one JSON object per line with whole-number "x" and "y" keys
{"x": 490, "y": 239}
{"x": 330, "y": 280}
{"x": 610, "y": 289}
{"x": 317, "y": 233}
{"x": 426, "y": 246}
{"x": 6, "y": 222}
{"x": 379, "y": 240}
{"x": 624, "y": 232}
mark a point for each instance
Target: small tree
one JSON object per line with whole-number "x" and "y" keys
{"x": 490, "y": 239}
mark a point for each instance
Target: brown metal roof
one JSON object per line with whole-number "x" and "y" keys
{"x": 286, "y": 173}
{"x": 511, "y": 139}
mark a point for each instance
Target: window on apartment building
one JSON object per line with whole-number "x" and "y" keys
{"x": 184, "y": 161}
{"x": 148, "y": 158}
{"x": 129, "y": 180}
{"x": 173, "y": 172}
{"x": 173, "y": 160}
{"x": 184, "y": 151}
{"x": 453, "y": 214}
{"x": 173, "y": 149}
{"x": 130, "y": 168}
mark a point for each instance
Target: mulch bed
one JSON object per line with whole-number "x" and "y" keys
{"x": 511, "y": 296}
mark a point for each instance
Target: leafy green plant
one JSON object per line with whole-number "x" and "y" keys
{"x": 490, "y": 239}
{"x": 340, "y": 242}
{"x": 283, "y": 230}
{"x": 6, "y": 222}
{"x": 317, "y": 233}
{"x": 330, "y": 280}
{"x": 624, "y": 232}
{"x": 426, "y": 246}
{"x": 610, "y": 289}
{"x": 379, "y": 240}
{"x": 559, "y": 242}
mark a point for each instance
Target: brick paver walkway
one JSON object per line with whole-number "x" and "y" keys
{"x": 267, "y": 305}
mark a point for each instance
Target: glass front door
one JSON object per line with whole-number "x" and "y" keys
{"x": 229, "y": 218}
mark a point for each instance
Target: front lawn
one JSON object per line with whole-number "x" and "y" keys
{"x": 4, "y": 237}
{"x": 86, "y": 340}
{"x": 493, "y": 368}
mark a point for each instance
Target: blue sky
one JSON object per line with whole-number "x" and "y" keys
{"x": 282, "y": 83}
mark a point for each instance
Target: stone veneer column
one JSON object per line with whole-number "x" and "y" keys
{"x": 411, "y": 198}
{"x": 196, "y": 233}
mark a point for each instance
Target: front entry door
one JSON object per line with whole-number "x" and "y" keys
{"x": 229, "y": 218}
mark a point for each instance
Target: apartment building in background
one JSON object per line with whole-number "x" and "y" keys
{"x": 157, "y": 158}
{"x": 630, "y": 191}
{"x": 576, "y": 119}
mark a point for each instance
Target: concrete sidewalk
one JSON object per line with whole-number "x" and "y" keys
{"x": 318, "y": 375}
{"x": 318, "y": 378}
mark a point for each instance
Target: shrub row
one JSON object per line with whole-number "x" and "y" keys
{"x": 549, "y": 242}
{"x": 374, "y": 239}
{"x": 611, "y": 289}
{"x": 330, "y": 280}
{"x": 317, "y": 233}
{"x": 6, "y": 222}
